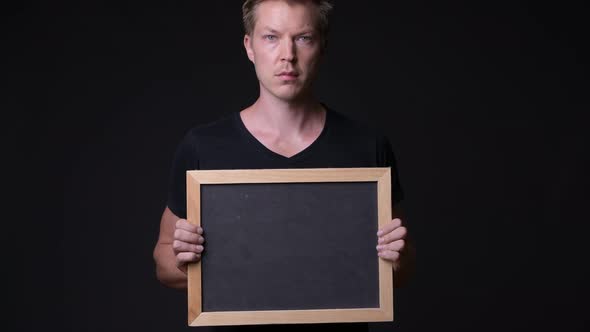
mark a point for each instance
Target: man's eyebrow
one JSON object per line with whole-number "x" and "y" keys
{"x": 303, "y": 32}
{"x": 306, "y": 32}
{"x": 269, "y": 29}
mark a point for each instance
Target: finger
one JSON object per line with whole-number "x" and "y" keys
{"x": 398, "y": 246}
{"x": 397, "y": 234}
{"x": 187, "y": 257}
{"x": 187, "y": 226}
{"x": 389, "y": 255}
{"x": 390, "y": 226}
{"x": 180, "y": 246}
{"x": 186, "y": 236}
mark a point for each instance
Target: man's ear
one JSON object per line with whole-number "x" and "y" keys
{"x": 248, "y": 47}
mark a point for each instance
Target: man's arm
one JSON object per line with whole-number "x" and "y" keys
{"x": 179, "y": 243}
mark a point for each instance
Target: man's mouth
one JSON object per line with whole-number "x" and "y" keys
{"x": 288, "y": 74}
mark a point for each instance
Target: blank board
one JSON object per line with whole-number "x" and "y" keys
{"x": 287, "y": 246}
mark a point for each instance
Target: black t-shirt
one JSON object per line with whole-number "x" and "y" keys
{"x": 227, "y": 144}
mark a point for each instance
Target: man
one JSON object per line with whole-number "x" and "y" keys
{"x": 287, "y": 127}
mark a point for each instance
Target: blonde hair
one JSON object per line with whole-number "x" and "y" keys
{"x": 323, "y": 9}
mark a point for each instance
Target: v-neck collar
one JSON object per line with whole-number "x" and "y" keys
{"x": 270, "y": 153}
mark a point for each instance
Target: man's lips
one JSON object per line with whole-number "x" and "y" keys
{"x": 288, "y": 74}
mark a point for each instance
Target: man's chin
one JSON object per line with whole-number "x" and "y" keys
{"x": 291, "y": 95}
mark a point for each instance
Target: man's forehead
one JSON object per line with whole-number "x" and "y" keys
{"x": 282, "y": 15}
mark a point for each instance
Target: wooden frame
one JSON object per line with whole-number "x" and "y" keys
{"x": 384, "y": 312}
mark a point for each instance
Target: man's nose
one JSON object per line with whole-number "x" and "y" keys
{"x": 288, "y": 52}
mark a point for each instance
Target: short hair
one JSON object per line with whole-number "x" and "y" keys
{"x": 323, "y": 9}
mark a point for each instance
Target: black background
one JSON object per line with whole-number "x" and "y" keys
{"x": 484, "y": 103}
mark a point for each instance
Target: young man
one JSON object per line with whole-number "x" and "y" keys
{"x": 287, "y": 127}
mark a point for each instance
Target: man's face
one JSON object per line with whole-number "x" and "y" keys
{"x": 285, "y": 47}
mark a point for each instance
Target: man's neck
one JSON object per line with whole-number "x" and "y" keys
{"x": 285, "y": 118}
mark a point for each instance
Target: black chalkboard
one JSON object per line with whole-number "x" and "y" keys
{"x": 289, "y": 246}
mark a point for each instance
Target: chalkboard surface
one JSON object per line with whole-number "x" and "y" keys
{"x": 289, "y": 246}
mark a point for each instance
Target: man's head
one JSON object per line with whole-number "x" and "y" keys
{"x": 285, "y": 40}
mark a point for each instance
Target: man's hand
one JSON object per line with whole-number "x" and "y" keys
{"x": 187, "y": 244}
{"x": 391, "y": 242}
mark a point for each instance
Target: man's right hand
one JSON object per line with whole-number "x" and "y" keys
{"x": 187, "y": 244}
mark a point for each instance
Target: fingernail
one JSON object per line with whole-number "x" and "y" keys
{"x": 379, "y": 233}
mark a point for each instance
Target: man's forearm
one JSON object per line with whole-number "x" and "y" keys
{"x": 166, "y": 270}
{"x": 404, "y": 269}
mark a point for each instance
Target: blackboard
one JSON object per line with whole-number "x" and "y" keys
{"x": 289, "y": 246}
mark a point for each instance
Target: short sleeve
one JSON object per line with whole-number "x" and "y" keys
{"x": 185, "y": 158}
{"x": 386, "y": 158}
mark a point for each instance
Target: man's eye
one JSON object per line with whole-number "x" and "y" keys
{"x": 270, "y": 37}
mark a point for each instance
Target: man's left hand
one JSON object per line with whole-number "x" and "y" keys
{"x": 391, "y": 241}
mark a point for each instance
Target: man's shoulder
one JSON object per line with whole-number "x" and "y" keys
{"x": 221, "y": 127}
{"x": 351, "y": 126}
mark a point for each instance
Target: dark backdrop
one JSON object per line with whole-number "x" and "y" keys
{"x": 483, "y": 102}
